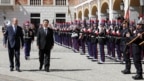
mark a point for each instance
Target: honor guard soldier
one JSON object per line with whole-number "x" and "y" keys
{"x": 108, "y": 37}
{"x": 69, "y": 35}
{"x": 94, "y": 41}
{"x": 88, "y": 39}
{"x": 60, "y": 34}
{"x": 117, "y": 41}
{"x": 112, "y": 39}
{"x": 126, "y": 33}
{"x": 65, "y": 41}
{"x": 101, "y": 41}
{"x": 75, "y": 37}
{"x": 132, "y": 27}
{"x": 4, "y": 29}
{"x": 28, "y": 39}
{"x": 82, "y": 37}
{"x": 136, "y": 50}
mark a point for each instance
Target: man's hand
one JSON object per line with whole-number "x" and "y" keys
{"x": 140, "y": 35}
{"x": 128, "y": 35}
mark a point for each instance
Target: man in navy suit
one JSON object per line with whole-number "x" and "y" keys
{"x": 45, "y": 43}
{"x": 14, "y": 37}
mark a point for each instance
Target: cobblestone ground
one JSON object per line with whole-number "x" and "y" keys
{"x": 65, "y": 66}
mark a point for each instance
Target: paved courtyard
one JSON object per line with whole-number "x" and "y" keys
{"x": 65, "y": 66}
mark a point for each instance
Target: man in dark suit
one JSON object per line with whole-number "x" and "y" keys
{"x": 45, "y": 43}
{"x": 14, "y": 37}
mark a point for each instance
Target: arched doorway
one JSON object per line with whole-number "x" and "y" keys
{"x": 80, "y": 15}
{"x": 86, "y": 13}
{"x": 94, "y": 11}
{"x": 104, "y": 12}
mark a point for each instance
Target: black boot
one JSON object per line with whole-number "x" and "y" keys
{"x": 137, "y": 77}
{"x": 126, "y": 71}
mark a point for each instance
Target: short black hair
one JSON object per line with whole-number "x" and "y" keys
{"x": 46, "y": 20}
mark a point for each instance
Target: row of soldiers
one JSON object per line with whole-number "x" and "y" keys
{"x": 111, "y": 35}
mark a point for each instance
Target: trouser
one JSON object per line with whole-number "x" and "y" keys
{"x": 75, "y": 44}
{"x": 44, "y": 57}
{"x": 14, "y": 52}
{"x": 102, "y": 53}
{"x": 27, "y": 48}
{"x": 94, "y": 51}
{"x": 108, "y": 48}
{"x": 137, "y": 59}
{"x": 90, "y": 49}
{"x": 82, "y": 42}
{"x": 118, "y": 51}
{"x": 112, "y": 49}
{"x": 127, "y": 60}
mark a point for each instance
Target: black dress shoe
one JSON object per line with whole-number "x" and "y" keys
{"x": 18, "y": 70}
{"x": 47, "y": 70}
{"x": 40, "y": 68}
{"x": 126, "y": 71}
{"x": 137, "y": 77}
{"x": 11, "y": 69}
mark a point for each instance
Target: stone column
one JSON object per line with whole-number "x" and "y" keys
{"x": 76, "y": 11}
{"x": 99, "y": 10}
{"x": 82, "y": 13}
{"x": 54, "y": 2}
{"x": 89, "y": 10}
{"x": 110, "y": 10}
{"x": 41, "y": 2}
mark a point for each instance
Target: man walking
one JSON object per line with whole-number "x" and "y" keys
{"x": 14, "y": 37}
{"x": 45, "y": 43}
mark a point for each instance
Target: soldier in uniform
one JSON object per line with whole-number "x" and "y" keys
{"x": 108, "y": 37}
{"x": 82, "y": 37}
{"x": 94, "y": 40}
{"x": 117, "y": 41}
{"x": 101, "y": 41}
{"x": 88, "y": 40}
{"x": 136, "y": 50}
{"x": 4, "y": 29}
{"x": 75, "y": 37}
{"x": 28, "y": 39}
{"x": 126, "y": 33}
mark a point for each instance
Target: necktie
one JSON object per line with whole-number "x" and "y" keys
{"x": 14, "y": 29}
{"x": 46, "y": 31}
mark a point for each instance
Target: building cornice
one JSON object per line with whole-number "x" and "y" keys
{"x": 88, "y": 1}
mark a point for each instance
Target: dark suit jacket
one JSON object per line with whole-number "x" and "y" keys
{"x": 45, "y": 41}
{"x": 14, "y": 38}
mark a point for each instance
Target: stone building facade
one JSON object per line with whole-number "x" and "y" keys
{"x": 37, "y": 10}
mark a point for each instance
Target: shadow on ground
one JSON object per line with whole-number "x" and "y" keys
{"x": 57, "y": 70}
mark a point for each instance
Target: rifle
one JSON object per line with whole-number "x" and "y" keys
{"x": 142, "y": 43}
{"x": 134, "y": 39}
